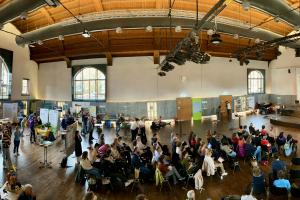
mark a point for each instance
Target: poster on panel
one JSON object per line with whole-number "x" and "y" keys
{"x": 10, "y": 111}
{"x": 197, "y": 108}
{"x": 44, "y": 115}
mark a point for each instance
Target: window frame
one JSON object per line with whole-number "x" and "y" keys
{"x": 263, "y": 72}
{"x": 28, "y": 87}
{"x": 9, "y": 80}
{"x": 78, "y": 69}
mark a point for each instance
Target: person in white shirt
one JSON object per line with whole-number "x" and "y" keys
{"x": 134, "y": 129}
{"x": 228, "y": 107}
{"x": 209, "y": 165}
{"x": 86, "y": 165}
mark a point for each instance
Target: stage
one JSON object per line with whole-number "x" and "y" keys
{"x": 287, "y": 121}
{"x": 290, "y": 117}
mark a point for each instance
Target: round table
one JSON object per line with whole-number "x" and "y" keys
{"x": 45, "y": 163}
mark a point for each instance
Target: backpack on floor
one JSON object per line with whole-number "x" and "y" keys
{"x": 63, "y": 163}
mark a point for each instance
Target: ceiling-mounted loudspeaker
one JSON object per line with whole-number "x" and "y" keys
{"x": 40, "y": 42}
{"x": 52, "y": 3}
{"x": 289, "y": 71}
{"x": 257, "y": 40}
{"x": 23, "y": 16}
{"x": 216, "y": 38}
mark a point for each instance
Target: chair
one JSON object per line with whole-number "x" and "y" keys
{"x": 160, "y": 180}
{"x": 296, "y": 161}
{"x": 278, "y": 191}
{"x": 107, "y": 181}
{"x": 295, "y": 192}
{"x": 136, "y": 178}
{"x": 294, "y": 174}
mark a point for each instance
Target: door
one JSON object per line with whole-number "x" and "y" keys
{"x": 223, "y": 100}
{"x": 184, "y": 108}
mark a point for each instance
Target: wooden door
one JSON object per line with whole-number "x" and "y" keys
{"x": 184, "y": 108}
{"x": 223, "y": 100}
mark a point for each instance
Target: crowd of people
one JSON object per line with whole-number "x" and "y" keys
{"x": 119, "y": 160}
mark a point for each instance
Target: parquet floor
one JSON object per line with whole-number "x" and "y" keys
{"x": 59, "y": 184}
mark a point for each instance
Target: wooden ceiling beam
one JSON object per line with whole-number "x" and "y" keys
{"x": 98, "y": 5}
{"x": 109, "y": 59}
{"x": 45, "y": 12}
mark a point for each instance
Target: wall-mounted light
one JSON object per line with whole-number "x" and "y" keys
{"x": 119, "y": 30}
{"x": 149, "y": 29}
{"x": 61, "y": 37}
{"x": 178, "y": 29}
{"x": 216, "y": 38}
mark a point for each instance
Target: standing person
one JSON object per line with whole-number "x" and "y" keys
{"x": 17, "y": 135}
{"x": 78, "y": 148}
{"x": 84, "y": 122}
{"x": 90, "y": 128}
{"x": 118, "y": 126}
{"x": 218, "y": 112}
{"x": 143, "y": 131}
{"x": 23, "y": 125}
{"x": 134, "y": 129}
{"x": 228, "y": 108}
{"x": 32, "y": 131}
{"x": 6, "y": 140}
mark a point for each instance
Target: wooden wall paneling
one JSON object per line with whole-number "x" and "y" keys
{"x": 184, "y": 108}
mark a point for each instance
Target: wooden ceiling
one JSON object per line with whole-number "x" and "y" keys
{"x": 137, "y": 42}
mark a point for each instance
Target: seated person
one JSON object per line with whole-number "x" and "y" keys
{"x": 235, "y": 140}
{"x": 251, "y": 129}
{"x": 277, "y": 165}
{"x": 166, "y": 153}
{"x": 227, "y": 149}
{"x": 89, "y": 196}
{"x": 94, "y": 152}
{"x": 85, "y": 163}
{"x": 209, "y": 165}
{"x": 280, "y": 140}
{"x": 252, "y": 151}
{"x": 256, "y": 140}
{"x": 290, "y": 145}
{"x": 168, "y": 170}
{"x": 258, "y": 181}
{"x": 27, "y": 193}
{"x": 157, "y": 153}
{"x": 263, "y": 130}
{"x": 281, "y": 182}
{"x": 102, "y": 150}
{"x": 241, "y": 148}
{"x": 137, "y": 163}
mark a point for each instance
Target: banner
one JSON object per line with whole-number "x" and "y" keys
{"x": 197, "y": 108}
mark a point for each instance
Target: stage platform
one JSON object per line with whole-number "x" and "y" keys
{"x": 293, "y": 111}
{"x": 287, "y": 121}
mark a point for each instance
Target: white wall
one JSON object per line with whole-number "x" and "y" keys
{"x": 284, "y": 83}
{"x": 55, "y": 81}
{"x": 136, "y": 79}
{"x": 23, "y": 67}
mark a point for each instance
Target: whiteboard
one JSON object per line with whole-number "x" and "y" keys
{"x": 54, "y": 118}
{"x": 44, "y": 114}
{"x": 10, "y": 110}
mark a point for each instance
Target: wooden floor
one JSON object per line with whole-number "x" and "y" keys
{"x": 59, "y": 184}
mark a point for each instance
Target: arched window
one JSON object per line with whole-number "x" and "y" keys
{"x": 4, "y": 80}
{"x": 256, "y": 82}
{"x": 89, "y": 84}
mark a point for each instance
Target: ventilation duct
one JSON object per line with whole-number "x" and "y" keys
{"x": 15, "y": 8}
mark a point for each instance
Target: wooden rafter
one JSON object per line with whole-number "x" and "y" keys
{"x": 45, "y": 12}
{"x": 98, "y": 5}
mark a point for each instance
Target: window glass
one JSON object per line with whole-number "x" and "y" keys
{"x": 256, "y": 82}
